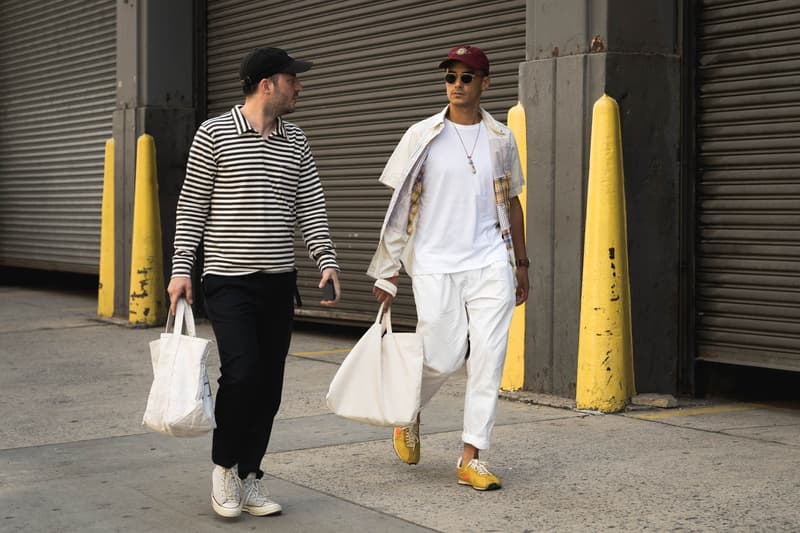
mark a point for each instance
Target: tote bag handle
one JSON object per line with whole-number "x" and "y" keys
{"x": 183, "y": 314}
{"x": 384, "y": 319}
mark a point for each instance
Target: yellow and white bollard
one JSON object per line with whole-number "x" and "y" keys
{"x": 514, "y": 369}
{"x": 147, "y": 298}
{"x": 105, "y": 285}
{"x": 605, "y": 348}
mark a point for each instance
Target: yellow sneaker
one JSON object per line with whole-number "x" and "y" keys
{"x": 477, "y": 475}
{"x": 406, "y": 443}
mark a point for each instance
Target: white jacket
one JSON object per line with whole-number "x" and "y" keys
{"x": 406, "y": 163}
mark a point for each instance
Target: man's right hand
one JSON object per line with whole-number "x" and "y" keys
{"x": 384, "y": 297}
{"x": 179, "y": 286}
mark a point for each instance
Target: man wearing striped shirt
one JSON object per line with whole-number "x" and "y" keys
{"x": 250, "y": 179}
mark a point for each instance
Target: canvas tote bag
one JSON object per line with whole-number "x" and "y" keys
{"x": 379, "y": 380}
{"x": 180, "y": 403}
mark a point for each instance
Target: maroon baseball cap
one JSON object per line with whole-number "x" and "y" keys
{"x": 472, "y": 56}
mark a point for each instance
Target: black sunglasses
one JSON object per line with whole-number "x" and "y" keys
{"x": 466, "y": 77}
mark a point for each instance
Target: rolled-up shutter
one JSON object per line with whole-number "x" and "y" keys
{"x": 748, "y": 183}
{"x": 375, "y": 73}
{"x": 57, "y": 94}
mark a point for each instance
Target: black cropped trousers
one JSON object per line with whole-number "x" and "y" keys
{"x": 252, "y": 320}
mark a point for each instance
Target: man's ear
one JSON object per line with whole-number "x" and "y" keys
{"x": 485, "y": 82}
{"x": 265, "y": 85}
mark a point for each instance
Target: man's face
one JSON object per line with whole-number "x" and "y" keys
{"x": 461, "y": 93}
{"x": 286, "y": 89}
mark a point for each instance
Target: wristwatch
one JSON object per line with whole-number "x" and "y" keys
{"x": 524, "y": 262}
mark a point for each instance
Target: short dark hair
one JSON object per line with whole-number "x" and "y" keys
{"x": 251, "y": 88}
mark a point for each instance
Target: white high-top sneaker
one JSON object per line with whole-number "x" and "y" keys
{"x": 256, "y": 498}
{"x": 226, "y": 492}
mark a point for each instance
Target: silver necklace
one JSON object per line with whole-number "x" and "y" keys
{"x": 469, "y": 154}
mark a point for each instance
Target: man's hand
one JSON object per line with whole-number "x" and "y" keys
{"x": 522, "y": 284}
{"x": 179, "y": 286}
{"x": 330, "y": 273}
{"x": 384, "y": 297}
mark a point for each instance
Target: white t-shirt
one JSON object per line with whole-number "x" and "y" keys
{"x": 457, "y": 228}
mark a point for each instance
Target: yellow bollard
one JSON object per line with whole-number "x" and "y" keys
{"x": 105, "y": 285}
{"x": 147, "y": 300}
{"x": 514, "y": 369}
{"x": 605, "y": 347}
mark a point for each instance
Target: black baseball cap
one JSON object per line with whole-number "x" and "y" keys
{"x": 264, "y": 62}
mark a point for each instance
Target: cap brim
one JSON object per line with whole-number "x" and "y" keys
{"x": 297, "y": 67}
{"x": 449, "y": 61}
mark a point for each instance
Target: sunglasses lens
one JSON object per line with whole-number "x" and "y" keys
{"x": 466, "y": 78}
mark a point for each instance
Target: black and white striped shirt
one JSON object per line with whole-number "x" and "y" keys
{"x": 244, "y": 194}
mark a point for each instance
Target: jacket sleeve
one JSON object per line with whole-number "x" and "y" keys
{"x": 386, "y": 260}
{"x": 394, "y": 171}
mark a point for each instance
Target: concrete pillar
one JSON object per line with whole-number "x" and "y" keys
{"x": 156, "y": 80}
{"x": 576, "y": 50}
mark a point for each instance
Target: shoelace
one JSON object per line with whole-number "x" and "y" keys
{"x": 480, "y": 467}
{"x": 231, "y": 486}
{"x": 255, "y": 491}
{"x": 410, "y": 437}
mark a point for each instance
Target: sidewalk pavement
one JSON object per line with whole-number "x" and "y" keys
{"x": 74, "y": 457}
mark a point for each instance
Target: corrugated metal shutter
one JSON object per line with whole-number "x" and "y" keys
{"x": 748, "y": 187}
{"x": 375, "y": 74}
{"x": 57, "y": 94}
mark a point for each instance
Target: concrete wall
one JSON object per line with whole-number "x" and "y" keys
{"x": 156, "y": 80}
{"x": 576, "y": 50}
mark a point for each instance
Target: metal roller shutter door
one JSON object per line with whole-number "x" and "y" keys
{"x": 748, "y": 186}
{"x": 57, "y": 95}
{"x": 375, "y": 74}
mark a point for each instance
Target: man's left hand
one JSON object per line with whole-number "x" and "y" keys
{"x": 330, "y": 273}
{"x": 522, "y": 284}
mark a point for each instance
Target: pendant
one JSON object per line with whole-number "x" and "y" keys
{"x": 471, "y": 164}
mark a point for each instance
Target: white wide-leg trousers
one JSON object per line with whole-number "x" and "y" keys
{"x": 471, "y": 308}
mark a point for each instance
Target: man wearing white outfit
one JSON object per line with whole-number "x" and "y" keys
{"x": 456, "y": 225}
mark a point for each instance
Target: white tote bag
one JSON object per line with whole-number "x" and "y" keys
{"x": 379, "y": 380}
{"x": 180, "y": 402}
